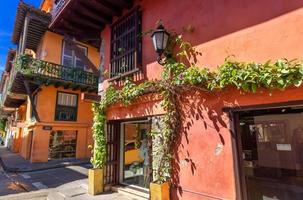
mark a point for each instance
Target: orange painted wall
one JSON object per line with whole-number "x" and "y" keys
{"x": 46, "y": 101}
{"x": 249, "y": 31}
{"x": 47, "y": 5}
{"x": 17, "y": 139}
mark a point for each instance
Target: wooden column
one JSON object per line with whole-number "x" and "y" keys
{"x": 20, "y": 44}
{"x": 24, "y": 36}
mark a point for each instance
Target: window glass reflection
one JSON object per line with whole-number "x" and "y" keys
{"x": 136, "y": 154}
{"x": 272, "y": 152}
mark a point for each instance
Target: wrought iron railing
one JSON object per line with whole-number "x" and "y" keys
{"x": 58, "y": 5}
{"x": 30, "y": 66}
{"x": 66, "y": 113}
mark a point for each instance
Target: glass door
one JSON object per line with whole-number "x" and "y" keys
{"x": 272, "y": 154}
{"x": 136, "y": 154}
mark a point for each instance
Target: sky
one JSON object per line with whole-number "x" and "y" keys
{"x": 7, "y": 19}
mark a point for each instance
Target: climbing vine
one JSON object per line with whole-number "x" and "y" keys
{"x": 180, "y": 72}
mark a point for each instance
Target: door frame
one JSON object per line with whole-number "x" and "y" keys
{"x": 241, "y": 191}
{"x": 121, "y": 150}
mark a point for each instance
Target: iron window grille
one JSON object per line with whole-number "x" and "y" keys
{"x": 126, "y": 45}
{"x": 67, "y": 107}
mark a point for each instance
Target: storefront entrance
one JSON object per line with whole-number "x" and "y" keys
{"x": 270, "y": 148}
{"x": 62, "y": 144}
{"x": 135, "y": 156}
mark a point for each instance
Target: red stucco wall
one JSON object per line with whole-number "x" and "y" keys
{"x": 249, "y": 31}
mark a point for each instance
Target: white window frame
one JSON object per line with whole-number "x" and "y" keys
{"x": 74, "y": 57}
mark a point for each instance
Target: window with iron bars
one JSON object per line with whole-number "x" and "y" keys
{"x": 67, "y": 107}
{"x": 126, "y": 56}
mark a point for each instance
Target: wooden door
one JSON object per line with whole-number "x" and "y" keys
{"x": 111, "y": 175}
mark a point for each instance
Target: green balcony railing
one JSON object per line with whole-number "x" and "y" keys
{"x": 30, "y": 66}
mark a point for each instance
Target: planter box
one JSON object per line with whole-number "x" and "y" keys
{"x": 159, "y": 191}
{"x": 95, "y": 181}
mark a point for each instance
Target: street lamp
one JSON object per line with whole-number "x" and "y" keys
{"x": 160, "y": 39}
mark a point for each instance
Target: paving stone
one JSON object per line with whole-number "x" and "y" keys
{"x": 72, "y": 192}
{"x": 39, "y": 185}
{"x": 25, "y": 176}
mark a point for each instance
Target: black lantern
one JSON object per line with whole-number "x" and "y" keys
{"x": 160, "y": 39}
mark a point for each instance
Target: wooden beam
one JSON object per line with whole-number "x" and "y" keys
{"x": 78, "y": 31}
{"x": 122, "y": 3}
{"x": 76, "y": 18}
{"x": 92, "y": 14}
{"x": 29, "y": 93}
{"x": 104, "y": 7}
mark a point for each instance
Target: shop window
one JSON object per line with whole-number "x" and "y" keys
{"x": 126, "y": 45}
{"x": 62, "y": 144}
{"x": 67, "y": 106}
{"x": 271, "y": 153}
{"x": 136, "y": 151}
{"x": 69, "y": 58}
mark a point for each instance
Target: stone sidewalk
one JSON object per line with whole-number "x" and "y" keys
{"x": 12, "y": 162}
{"x": 77, "y": 190}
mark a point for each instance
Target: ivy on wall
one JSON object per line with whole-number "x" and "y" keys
{"x": 180, "y": 72}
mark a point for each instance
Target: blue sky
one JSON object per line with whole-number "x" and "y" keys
{"x": 7, "y": 19}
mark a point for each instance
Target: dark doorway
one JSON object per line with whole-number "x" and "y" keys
{"x": 271, "y": 153}
{"x": 30, "y": 142}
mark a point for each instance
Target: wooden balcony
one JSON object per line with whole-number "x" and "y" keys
{"x": 36, "y": 73}
{"x": 31, "y": 67}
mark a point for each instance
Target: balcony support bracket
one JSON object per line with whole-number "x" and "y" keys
{"x": 29, "y": 93}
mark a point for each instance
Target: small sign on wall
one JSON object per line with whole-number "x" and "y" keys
{"x": 47, "y": 128}
{"x": 284, "y": 147}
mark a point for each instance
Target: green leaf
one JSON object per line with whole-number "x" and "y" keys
{"x": 254, "y": 87}
{"x": 298, "y": 82}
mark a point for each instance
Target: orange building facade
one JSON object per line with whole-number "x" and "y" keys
{"x": 232, "y": 145}
{"x": 42, "y": 91}
{"x": 214, "y": 158}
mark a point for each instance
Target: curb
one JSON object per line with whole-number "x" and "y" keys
{"x": 27, "y": 195}
{"x": 18, "y": 170}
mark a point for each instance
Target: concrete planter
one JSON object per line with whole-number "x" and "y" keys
{"x": 159, "y": 191}
{"x": 95, "y": 181}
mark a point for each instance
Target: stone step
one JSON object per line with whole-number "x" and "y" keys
{"x": 133, "y": 192}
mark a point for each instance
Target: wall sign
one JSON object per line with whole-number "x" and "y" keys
{"x": 47, "y": 128}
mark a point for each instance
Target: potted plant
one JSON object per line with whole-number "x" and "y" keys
{"x": 95, "y": 175}
{"x": 159, "y": 191}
